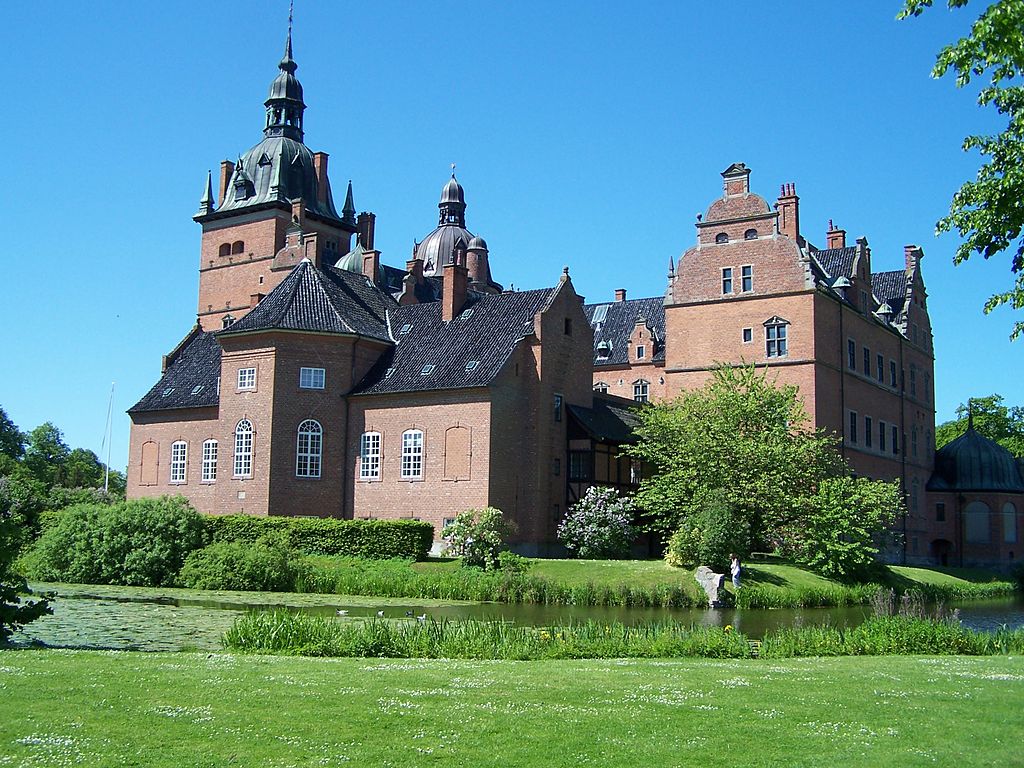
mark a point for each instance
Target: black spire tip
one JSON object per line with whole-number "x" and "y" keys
{"x": 287, "y": 62}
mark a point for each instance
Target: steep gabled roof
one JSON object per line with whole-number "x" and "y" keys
{"x": 837, "y": 262}
{"x": 326, "y": 300}
{"x": 613, "y": 322}
{"x": 890, "y": 287}
{"x": 190, "y": 380}
{"x": 467, "y": 351}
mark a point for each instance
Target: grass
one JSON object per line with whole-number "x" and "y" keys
{"x": 164, "y": 710}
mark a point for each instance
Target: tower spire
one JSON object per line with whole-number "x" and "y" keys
{"x": 348, "y": 211}
{"x": 206, "y": 201}
{"x": 284, "y": 104}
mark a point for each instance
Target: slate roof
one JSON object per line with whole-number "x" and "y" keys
{"x": 618, "y": 323}
{"x": 837, "y": 262}
{"x": 890, "y": 287}
{"x": 190, "y": 380}
{"x": 484, "y": 331}
{"x": 326, "y": 300}
{"x": 611, "y": 419}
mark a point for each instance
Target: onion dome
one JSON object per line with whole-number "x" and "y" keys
{"x": 972, "y": 462}
{"x": 453, "y": 192}
{"x": 353, "y": 260}
{"x": 284, "y": 104}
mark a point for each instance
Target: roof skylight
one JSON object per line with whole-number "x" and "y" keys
{"x": 426, "y": 370}
{"x": 472, "y": 364}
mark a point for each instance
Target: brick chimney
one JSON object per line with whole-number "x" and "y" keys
{"x": 227, "y": 168}
{"x": 620, "y": 294}
{"x": 415, "y": 268}
{"x": 788, "y": 206}
{"x": 365, "y": 224}
{"x": 371, "y": 264}
{"x": 320, "y": 167}
{"x": 298, "y": 212}
{"x": 454, "y": 294}
{"x": 254, "y": 299}
{"x": 912, "y": 254}
{"x": 836, "y": 237}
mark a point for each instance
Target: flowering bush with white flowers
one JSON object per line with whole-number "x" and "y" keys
{"x": 477, "y": 536}
{"x": 599, "y": 526}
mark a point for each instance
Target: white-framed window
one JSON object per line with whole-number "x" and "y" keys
{"x": 243, "y": 449}
{"x": 369, "y": 456}
{"x": 641, "y": 390}
{"x": 309, "y": 445}
{"x": 247, "y": 378}
{"x": 776, "y": 338}
{"x": 179, "y": 461}
{"x": 601, "y": 387}
{"x": 641, "y": 352}
{"x": 748, "y": 335}
{"x": 726, "y": 280}
{"x": 311, "y": 378}
{"x": 412, "y": 454}
{"x": 209, "y": 461}
{"x": 746, "y": 278}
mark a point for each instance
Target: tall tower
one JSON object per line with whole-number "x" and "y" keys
{"x": 275, "y": 208}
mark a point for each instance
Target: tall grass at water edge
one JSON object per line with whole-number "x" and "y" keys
{"x": 395, "y": 578}
{"x": 839, "y": 595}
{"x": 287, "y": 633}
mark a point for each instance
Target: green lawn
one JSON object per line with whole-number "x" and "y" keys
{"x": 106, "y": 709}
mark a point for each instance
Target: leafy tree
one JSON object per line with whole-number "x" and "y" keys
{"x": 11, "y": 439}
{"x": 46, "y": 453}
{"x": 987, "y": 212}
{"x": 712, "y": 530}
{"x": 477, "y": 536}
{"x": 598, "y": 526}
{"x": 841, "y": 528}
{"x": 18, "y": 507}
{"x": 740, "y": 433}
{"x": 82, "y": 469}
{"x": 991, "y": 418}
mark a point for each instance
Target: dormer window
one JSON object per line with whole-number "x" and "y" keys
{"x": 604, "y": 350}
{"x": 227, "y": 321}
{"x": 721, "y": 238}
{"x": 601, "y": 387}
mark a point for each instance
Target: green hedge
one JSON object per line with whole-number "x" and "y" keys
{"x": 372, "y": 539}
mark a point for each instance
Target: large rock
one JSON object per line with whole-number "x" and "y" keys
{"x": 712, "y": 583}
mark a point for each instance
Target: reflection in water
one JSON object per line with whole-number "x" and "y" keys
{"x": 135, "y": 620}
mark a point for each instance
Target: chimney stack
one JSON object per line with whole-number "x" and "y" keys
{"x": 298, "y": 211}
{"x": 454, "y": 294}
{"x": 788, "y": 206}
{"x": 836, "y": 237}
{"x": 912, "y": 254}
{"x": 320, "y": 168}
{"x": 415, "y": 268}
{"x": 227, "y": 170}
{"x": 620, "y": 294}
{"x": 365, "y": 224}
{"x": 371, "y": 264}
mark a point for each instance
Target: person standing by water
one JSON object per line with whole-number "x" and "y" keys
{"x": 734, "y": 569}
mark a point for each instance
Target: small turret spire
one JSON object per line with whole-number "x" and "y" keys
{"x": 348, "y": 212}
{"x": 206, "y": 201}
{"x": 284, "y": 104}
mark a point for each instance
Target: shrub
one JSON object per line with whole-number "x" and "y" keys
{"x": 16, "y": 510}
{"x": 372, "y": 539}
{"x": 510, "y": 562}
{"x": 477, "y": 536}
{"x": 142, "y": 542}
{"x": 598, "y": 526}
{"x": 263, "y": 566}
{"x": 712, "y": 529}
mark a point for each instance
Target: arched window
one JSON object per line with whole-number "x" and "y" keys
{"x": 308, "y": 448}
{"x": 412, "y": 454}
{"x": 243, "y": 449}
{"x": 209, "y": 461}
{"x": 224, "y": 250}
{"x": 721, "y": 237}
{"x": 1009, "y": 523}
{"x": 641, "y": 390}
{"x": 976, "y": 523}
{"x": 237, "y": 247}
{"x": 369, "y": 456}
{"x": 750, "y": 234}
{"x": 179, "y": 461}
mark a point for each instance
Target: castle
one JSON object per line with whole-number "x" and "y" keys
{"x": 318, "y": 380}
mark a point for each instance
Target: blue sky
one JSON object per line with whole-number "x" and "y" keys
{"x": 585, "y": 133}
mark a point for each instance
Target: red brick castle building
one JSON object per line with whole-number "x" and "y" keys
{"x": 318, "y": 380}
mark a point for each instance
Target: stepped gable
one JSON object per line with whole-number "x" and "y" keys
{"x": 613, "y": 323}
{"x": 324, "y": 300}
{"x": 974, "y": 463}
{"x": 484, "y": 332}
{"x": 190, "y": 380}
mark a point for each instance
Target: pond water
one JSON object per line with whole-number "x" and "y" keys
{"x": 130, "y": 618}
